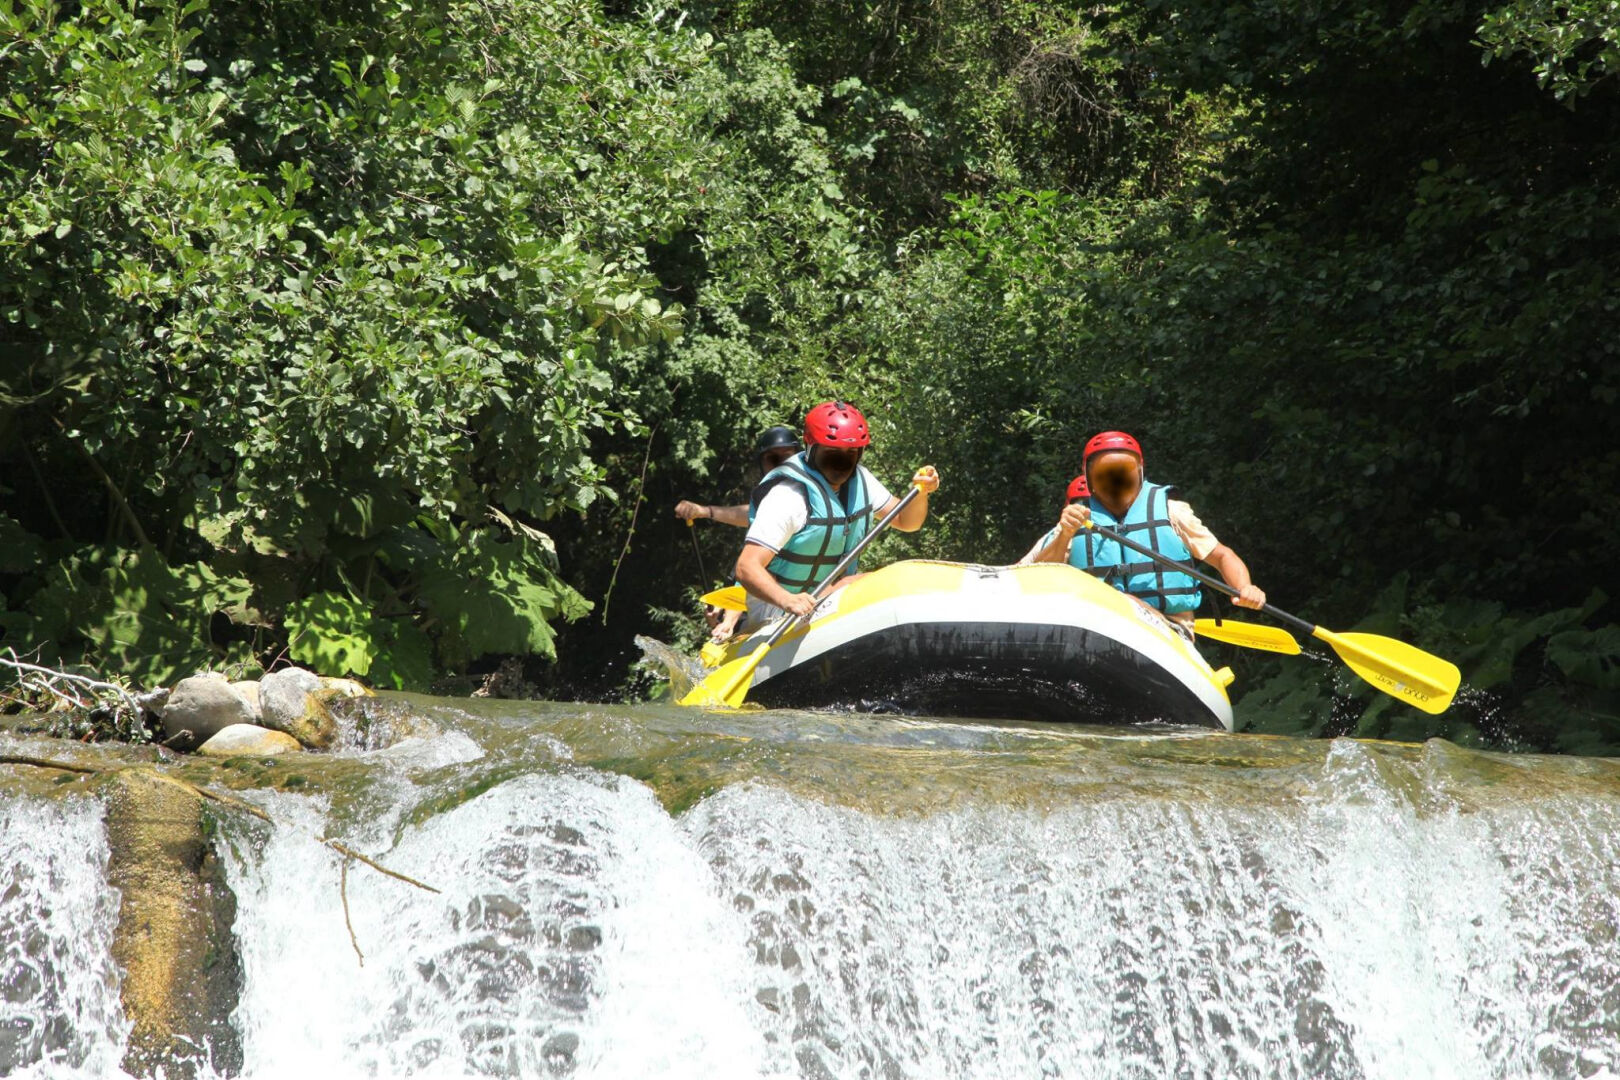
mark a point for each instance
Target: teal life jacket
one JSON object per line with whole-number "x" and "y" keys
{"x": 1148, "y": 523}
{"x": 838, "y": 520}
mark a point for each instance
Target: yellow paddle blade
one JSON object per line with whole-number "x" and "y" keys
{"x": 727, "y": 686}
{"x": 1398, "y": 669}
{"x": 1248, "y": 635}
{"x": 731, "y": 598}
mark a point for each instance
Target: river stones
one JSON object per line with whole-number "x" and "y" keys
{"x": 203, "y": 705}
{"x": 294, "y": 700}
{"x": 153, "y": 700}
{"x": 344, "y": 688}
{"x": 291, "y": 702}
{"x": 248, "y": 740}
{"x": 249, "y": 689}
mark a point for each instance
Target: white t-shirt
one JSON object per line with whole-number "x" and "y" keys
{"x": 784, "y": 511}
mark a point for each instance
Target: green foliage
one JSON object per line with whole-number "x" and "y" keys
{"x": 313, "y": 316}
{"x": 406, "y": 661}
{"x": 1545, "y": 681}
{"x": 1591, "y": 659}
{"x": 336, "y": 633}
{"x": 288, "y": 281}
{"x": 420, "y": 318}
{"x": 132, "y": 611}
{"x": 332, "y": 632}
{"x": 20, "y": 550}
{"x": 491, "y": 595}
{"x": 972, "y": 346}
{"x": 1493, "y": 646}
{"x": 923, "y": 101}
{"x": 1573, "y": 44}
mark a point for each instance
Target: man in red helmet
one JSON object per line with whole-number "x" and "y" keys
{"x": 1077, "y": 492}
{"x": 1125, "y": 501}
{"x": 814, "y": 507}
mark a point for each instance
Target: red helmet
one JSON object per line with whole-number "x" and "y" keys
{"x": 1112, "y": 440}
{"x": 1079, "y": 489}
{"x": 836, "y": 423}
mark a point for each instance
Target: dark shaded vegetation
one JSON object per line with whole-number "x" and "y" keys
{"x": 361, "y": 334}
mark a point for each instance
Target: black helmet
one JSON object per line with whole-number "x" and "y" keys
{"x": 776, "y": 438}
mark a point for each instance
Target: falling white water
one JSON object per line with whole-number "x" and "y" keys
{"x": 1158, "y": 920}
{"x": 1149, "y": 938}
{"x": 574, "y": 933}
{"x": 59, "y": 1009}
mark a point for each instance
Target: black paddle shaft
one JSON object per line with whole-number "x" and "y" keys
{"x": 703, "y": 574}
{"x": 1215, "y": 583}
{"x": 849, "y": 556}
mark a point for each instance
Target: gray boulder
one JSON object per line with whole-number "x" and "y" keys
{"x": 202, "y": 705}
{"x": 292, "y": 700}
{"x": 152, "y": 701}
{"x": 241, "y": 740}
{"x": 344, "y": 688}
{"x": 249, "y": 689}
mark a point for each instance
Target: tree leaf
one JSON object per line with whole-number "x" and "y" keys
{"x": 333, "y": 634}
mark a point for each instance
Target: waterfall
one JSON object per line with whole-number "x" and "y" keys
{"x": 59, "y": 1009}
{"x": 576, "y": 932}
{"x": 1150, "y": 938}
{"x": 1341, "y": 910}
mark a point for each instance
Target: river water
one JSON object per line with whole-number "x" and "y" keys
{"x": 657, "y": 892}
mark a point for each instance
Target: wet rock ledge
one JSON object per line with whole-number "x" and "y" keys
{"x": 174, "y": 941}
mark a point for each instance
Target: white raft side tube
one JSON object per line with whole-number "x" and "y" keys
{"x": 994, "y": 598}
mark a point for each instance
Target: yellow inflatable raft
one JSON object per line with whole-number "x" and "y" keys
{"x": 1040, "y": 642}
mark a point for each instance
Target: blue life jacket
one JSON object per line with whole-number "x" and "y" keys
{"x": 1148, "y": 523}
{"x": 838, "y": 520}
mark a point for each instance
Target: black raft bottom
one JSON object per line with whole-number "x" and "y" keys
{"x": 1006, "y": 671}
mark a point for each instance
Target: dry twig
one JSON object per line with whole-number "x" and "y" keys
{"x": 35, "y": 680}
{"x": 343, "y": 893}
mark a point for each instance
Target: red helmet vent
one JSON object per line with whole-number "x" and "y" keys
{"x": 1111, "y": 440}
{"x": 836, "y": 423}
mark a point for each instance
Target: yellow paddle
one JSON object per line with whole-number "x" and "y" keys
{"x": 1248, "y": 635}
{"x": 730, "y": 598}
{"x": 1400, "y": 670}
{"x": 727, "y": 686}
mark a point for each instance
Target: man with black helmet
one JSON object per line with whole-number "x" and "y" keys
{"x": 774, "y": 446}
{"x": 814, "y": 507}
